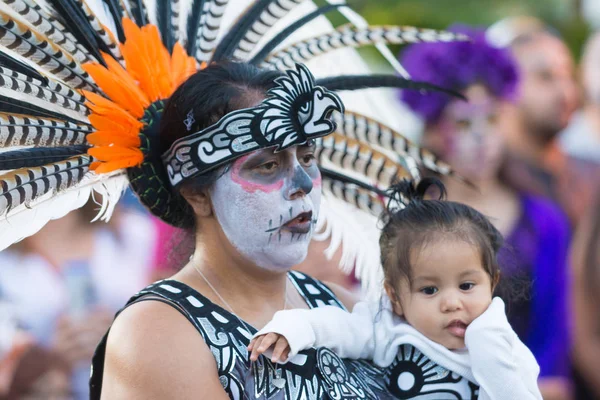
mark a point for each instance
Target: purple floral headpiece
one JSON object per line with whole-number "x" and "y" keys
{"x": 457, "y": 65}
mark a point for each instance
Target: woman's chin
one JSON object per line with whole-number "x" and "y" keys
{"x": 284, "y": 256}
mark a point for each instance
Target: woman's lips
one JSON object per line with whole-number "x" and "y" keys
{"x": 457, "y": 328}
{"x": 300, "y": 224}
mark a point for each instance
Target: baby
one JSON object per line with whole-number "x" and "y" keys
{"x": 440, "y": 267}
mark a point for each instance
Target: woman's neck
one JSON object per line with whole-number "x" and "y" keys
{"x": 254, "y": 294}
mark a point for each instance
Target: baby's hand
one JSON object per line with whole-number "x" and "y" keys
{"x": 260, "y": 344}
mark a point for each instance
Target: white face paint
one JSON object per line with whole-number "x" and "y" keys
{"x": 267, "y": 204}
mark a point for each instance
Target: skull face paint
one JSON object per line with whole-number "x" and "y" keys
{"x": 267, "y": 205}
{"x": 470, "y": 132}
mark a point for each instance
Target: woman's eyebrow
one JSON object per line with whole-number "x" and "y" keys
{"x": 307, "y": 146}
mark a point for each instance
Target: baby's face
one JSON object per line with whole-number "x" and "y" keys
{"x": 450, "y": 289}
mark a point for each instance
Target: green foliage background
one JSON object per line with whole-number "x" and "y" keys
{"x": 563, "y": 15}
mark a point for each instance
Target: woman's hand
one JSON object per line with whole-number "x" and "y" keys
{"x": 261, "y": 344}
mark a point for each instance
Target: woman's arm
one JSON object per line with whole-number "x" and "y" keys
{"x": 586, "y": 350}
{"x": 154, "y": 352}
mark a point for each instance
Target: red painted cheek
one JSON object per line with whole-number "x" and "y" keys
{"x": 317, "y": 181}
{"x": 252, "y": 187}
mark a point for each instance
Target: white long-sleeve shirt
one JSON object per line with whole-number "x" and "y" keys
{"x": 494, "y": 358}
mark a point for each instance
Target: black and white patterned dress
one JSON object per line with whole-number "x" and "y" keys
{"x": 316, "y": 374}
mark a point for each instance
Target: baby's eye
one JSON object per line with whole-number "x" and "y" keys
{"x": 429, "y": 290}
{"x": 466, "y": 286}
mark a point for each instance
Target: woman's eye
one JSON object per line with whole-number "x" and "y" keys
{"x": 463, "y": 124}
{"x": 429, "y": 290}
{"x": 466, "y": 286}
{"x": 307, "y": 159}
{"x": 268, "y": 167}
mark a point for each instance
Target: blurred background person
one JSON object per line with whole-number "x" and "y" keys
{"x": 61, "y": 284}
{"x": 468, "y": 135}
{"x": 548, "y": 98}
{"x": 13, "y": 345}
{"x": 581, "y": 139}
{"x": 586, "y": 299}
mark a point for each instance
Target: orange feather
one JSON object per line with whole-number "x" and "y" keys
{"x": 178, "y": 64}
{"x": 115, "y": 157}
{"x": 111, "y": 153}
{"x": 116, "y": 68}
{"x": 117, "y": 89}
{"x": 135, "y": 55}
{"x": 102, "y": 106}
{"x": 104, "y": 123}
{"x": 151, "y": 74}
{"x": 111, "y": 166}
{"x": 101, "y": 138}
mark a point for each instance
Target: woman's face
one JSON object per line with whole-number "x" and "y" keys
{"x": 267, "y": 204}
{"x": 468, "y": 135}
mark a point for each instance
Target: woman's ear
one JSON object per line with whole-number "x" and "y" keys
{"x": 391, "y": 293}
{"x": 199, "y": 200}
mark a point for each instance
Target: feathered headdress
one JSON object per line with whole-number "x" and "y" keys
{"x": 79, "y": 102}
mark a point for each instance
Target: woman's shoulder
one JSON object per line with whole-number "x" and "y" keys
{"x": 151, "y": 345}
{"x": 144, "y": 327}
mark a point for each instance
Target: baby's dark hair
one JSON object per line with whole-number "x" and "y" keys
{"x": 421, "y": 221}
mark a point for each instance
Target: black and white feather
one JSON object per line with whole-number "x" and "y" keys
{"x": 44, "y": 118}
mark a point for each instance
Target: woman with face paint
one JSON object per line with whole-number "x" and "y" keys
{"x": 252, "y": 216}
{"x": 469, "y": 136}
{"x": 224, "y": 150}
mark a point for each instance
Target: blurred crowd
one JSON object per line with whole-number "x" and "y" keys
{"x": 528, "y": 140}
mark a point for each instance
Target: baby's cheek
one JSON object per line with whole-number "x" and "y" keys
{"x": 481, "y": 303}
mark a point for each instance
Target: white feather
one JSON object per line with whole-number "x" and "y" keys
{"x": 25, "y": 220}
{"x": 358, "y": 21}
{"x": 357, "y": 234}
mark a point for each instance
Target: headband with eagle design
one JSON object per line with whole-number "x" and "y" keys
{"x": 294, "y": 112}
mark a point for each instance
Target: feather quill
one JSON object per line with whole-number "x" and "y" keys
{"x": 48, "y": 27}
{"x": 24, "y": 130}
{"x": 192, "y": 25}
{"x": 22, "y": 186}
{"x": 208, "y": 29}
{"x": 366, "y": 130}
{"x": 347, "y": 36}
{"x": 25, "y": 220}
{"x": 284, "y": 34}
{"x": 358, "y": 21}
{"x": 37, "y": 157}
{"x": 27, "y": 42}
{"x": 358, "y": 82}
{"x": 273, "y": 12}
{"x": 351, "y": 155}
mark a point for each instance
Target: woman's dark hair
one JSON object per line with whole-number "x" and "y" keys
{"x": 203, "y": 98}
{"x": 206, "y": 97}
{"x": 422, "y": 221}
